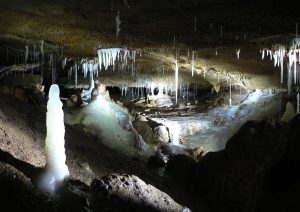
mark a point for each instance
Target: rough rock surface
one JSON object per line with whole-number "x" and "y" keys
{"x": 151, "y": 131}
{"x": 120, "y": 192}
{"x": 17, "y": 193}
{"x": 257, "y": 171}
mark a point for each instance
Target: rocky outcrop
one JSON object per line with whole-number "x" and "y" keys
{"x": 257, "y": 170}
{"x": 17, "y": 193}
{"x": 151, "y": 131}
{"x": 121, "y": 192}
{"x": 115, "y": 192}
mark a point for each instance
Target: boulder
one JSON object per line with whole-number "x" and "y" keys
{"x": 121, "y": 192}
{"x": 18, "y": 193}
{"x": 161, "y": 134}
{"x": 151, "y": 131}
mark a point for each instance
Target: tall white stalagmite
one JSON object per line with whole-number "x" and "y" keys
{"x": 56, "y": 168}
{"x": 176, "y": 79}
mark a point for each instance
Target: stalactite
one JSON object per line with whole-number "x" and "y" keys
{"x": 238, "y": 51}
{"x": 118, "y": 23}
{"x": 26, "y": 54}
{"x": 42, "y": 54}
{"x": 230, "y": 100}
{"x": 76, "y": 70}
{"x": 176, "y": 79}
{"x": 193, "y": 62}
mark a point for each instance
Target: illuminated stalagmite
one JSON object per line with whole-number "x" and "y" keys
{"x": 56, "y": 169}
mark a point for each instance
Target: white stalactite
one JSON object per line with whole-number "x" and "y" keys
{"x": 108, "y": 57}
{"x": 230, "y": 100}
{"x": 118, "y": 23}
{"x": 238, "y": 51}
{"x": 193, "y": 63}
{"x": 176, "y": 79}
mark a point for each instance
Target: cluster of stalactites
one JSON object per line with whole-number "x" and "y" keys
{"x": 278, "y": 55}
{"x": 108, "y": 57}
{"x": 160, "y": 87}
{"x": 90, "y": 67}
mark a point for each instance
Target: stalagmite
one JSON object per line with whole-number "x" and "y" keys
{"x": 56, "y": 169}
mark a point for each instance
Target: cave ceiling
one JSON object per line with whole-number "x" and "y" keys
{"x": 159, "y": 28}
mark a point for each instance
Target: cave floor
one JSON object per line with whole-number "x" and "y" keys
{"x": 24, "y": 126}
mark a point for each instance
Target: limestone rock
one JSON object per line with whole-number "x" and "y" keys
{"x": 197, "y": 153}
{"x": 121, "y": 192}
{"x": 161, "y": 134}
{"x": 257, "y": 170}
{"x": 217, "y": 87}
{"x": 18, "y": 193}
{"x": 289, "y": 112}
